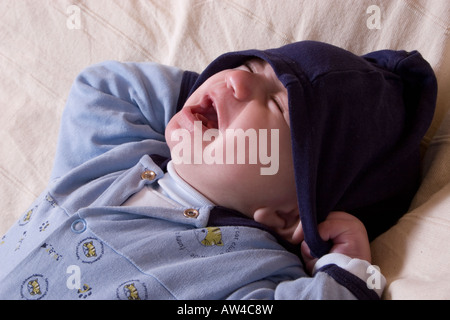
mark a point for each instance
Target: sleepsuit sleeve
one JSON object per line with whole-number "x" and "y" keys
{"x": 114, "y": 103}
{"x": 335, "y": 277}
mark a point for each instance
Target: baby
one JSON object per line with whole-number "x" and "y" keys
{"x": 150, "y": 199}
{"x": 250, "y": 97}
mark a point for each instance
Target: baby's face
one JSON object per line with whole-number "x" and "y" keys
{"x": 231, "y": 141}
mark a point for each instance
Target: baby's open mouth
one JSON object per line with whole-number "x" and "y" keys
{"x": 206, "y": 113}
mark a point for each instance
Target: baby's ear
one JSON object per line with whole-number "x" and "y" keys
{"x": 286, "y": 224}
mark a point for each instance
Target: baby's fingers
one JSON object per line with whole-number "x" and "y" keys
{"x": 348, "y": 234}
{"x": 308, "y": 259}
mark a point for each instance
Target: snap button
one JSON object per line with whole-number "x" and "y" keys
{"x": 148, "y": 175}
{"x": 191, "y": 213}
{"x": 78, "y": 226}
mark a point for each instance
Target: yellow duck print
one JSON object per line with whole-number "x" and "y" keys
{"x": 89, "y": 250}
{"x": 211, "y": 236}
{"x": 33, "y": 287}
{"x": 131, "y": 292}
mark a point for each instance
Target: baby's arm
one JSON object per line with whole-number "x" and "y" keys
{"x": 112, "y": 103}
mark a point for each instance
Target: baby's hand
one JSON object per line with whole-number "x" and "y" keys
{"x": 348, "y": 235}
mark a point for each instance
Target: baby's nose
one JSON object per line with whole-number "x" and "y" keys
{"x": 242, "y": 83}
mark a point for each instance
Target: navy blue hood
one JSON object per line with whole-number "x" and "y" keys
{"x": 356, "y": 126}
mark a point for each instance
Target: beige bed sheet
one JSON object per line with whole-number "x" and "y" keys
{"x": 44, "y": 44}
